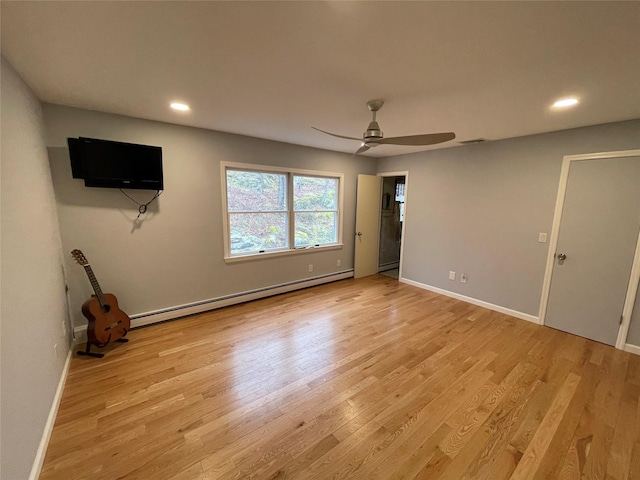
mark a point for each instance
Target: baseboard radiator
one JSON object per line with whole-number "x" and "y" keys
{"x": 172, "y": 313}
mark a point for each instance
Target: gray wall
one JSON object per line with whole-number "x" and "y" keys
{"x": 174, "y": 254}
{"x": 33, "y": 297}
{"x": 478, "y": 209}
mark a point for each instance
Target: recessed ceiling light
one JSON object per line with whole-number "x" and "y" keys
{"x": 565, "y": 102}
{"x": 180, "y": 106}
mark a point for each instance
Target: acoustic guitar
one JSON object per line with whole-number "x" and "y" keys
{"x": 107, "y": 323}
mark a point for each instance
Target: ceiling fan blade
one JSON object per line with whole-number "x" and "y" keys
{"x": 362, "y": 149}
{"x": 426, "y": 139}
{"x": 336, "y": 135}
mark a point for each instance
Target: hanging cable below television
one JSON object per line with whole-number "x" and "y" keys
{"x": 142, "y": 207}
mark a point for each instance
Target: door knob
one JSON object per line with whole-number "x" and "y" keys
{"x": 359, "y": 234}
{"x": 561, "y": 256}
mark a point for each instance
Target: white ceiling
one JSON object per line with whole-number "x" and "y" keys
{"x": 274, "y": 69}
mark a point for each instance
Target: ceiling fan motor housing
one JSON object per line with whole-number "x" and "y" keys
{"x": 373, "y": 132}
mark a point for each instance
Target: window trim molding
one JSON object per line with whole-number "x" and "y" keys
{"x": 229, "y": 258}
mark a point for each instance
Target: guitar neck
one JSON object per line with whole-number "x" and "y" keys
{"x": 95, "y": 285}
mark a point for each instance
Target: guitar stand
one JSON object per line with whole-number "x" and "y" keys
{"x": 87, "y": 351}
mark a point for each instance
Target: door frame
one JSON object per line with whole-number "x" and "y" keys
{"x": 404, "y": 174}
{"x": 555, "y": 232}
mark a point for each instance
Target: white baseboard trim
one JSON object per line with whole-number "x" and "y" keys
{"x": 178, "y": 311}
{"x": 632, "y": 348}
{"x": 51, "y": 419}
{"x": 473, "y": 301}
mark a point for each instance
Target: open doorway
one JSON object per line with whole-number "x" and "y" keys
{"x": 391, "y": 222}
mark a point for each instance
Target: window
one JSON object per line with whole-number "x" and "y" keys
{"x": 257, "y": 211}
{"x": 275, "y": 210}
{"x": 315, "y": 210}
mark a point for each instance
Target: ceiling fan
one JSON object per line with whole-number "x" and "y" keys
{"x": 374, "y": 137}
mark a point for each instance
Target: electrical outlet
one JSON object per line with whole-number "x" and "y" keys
{"x": 452, "y": 275}
{"x": 339, "y": 264}
{"x": 310, "y": 268}
{"x": 463, "y": 278}
{"x": 542, "y": 237}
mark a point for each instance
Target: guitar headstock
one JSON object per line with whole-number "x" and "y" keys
{"x": 79, "y": 257}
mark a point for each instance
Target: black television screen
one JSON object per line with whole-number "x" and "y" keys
{"x": 104, "y": 163}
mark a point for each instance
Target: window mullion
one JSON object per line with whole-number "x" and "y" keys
{"x": 290, "y": 211}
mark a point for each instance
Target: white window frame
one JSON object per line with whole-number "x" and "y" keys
{"x": 291, "y": 250}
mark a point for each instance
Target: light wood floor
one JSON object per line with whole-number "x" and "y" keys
{"x": 359, "y": 379}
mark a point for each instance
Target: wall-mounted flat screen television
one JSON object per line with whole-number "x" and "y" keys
{"x": 104, "y": 163}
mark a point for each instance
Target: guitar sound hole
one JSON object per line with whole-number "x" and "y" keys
{"x": 106, "y": 308}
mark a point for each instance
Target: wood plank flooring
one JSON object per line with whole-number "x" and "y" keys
{"x": 358, "y": 379}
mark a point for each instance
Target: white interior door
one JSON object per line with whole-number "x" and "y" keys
{"x": 367, "y": 225}
{"x": 595, "y": 249}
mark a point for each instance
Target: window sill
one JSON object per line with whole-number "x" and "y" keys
{"x": 282, "y": 253}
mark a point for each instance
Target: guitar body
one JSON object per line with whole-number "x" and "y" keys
{"x": 106, "y": 324}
